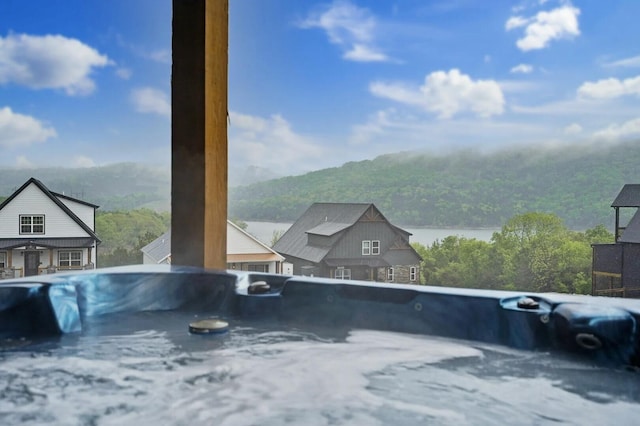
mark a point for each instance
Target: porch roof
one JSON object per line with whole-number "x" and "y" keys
{"x": 371, "y": 262}
{"x": 11, "y": 243}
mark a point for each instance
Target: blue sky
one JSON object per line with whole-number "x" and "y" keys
{"x": 314, "y": 84}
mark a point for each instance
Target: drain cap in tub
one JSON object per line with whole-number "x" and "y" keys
{"x": 209, "y": 326}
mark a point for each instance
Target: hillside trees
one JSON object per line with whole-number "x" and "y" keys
{"x": 461, "y": 189}
{"x": 124, "y": 233}
{"x": 532, "y": 252}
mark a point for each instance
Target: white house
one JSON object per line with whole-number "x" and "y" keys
{"x": 43, "y": 232}
{"x": 244, "y": 252}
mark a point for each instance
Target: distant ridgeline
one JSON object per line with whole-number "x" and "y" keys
{"x": 124, "y": 186}
{"x": 463, "y": 189}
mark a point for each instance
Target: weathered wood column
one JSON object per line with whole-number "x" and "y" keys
{"x": 199, "y": 133}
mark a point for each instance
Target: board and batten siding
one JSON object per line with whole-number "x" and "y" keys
{"x": 350, "y": 246}
{"x": 32, "y": 201}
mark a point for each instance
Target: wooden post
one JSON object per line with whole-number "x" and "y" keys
{"x": 199, "y": 133}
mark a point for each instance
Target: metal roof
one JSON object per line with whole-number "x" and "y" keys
{"x": 10, "y": 243}
{"x": 373, "y": 262}
{"x": 159, "y": 248}
{"x": 320, "y": 217}
{"x": 629, "y": 196}
{"x": 398, "y": 256}
{"x": 632, "y": 232}
{"x": 328, "y": 229}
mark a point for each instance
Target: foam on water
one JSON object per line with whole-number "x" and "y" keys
{"x": 256, "y": 375}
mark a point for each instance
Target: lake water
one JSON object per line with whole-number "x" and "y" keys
{"x": 425, "y": 236}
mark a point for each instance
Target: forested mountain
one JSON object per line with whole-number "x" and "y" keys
{"x": 465, "y": 188}
{"x": 123, "y": 186}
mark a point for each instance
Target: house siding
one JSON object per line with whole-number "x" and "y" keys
{"x": 33, "y": 201}
{"x": 85, "y": 213}
{"x": 239, "y": 243}
{"x": 307, "y": 248}
{"x": 350, "y": 246}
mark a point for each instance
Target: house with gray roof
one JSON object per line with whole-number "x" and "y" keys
{"x": 43, "y": 232}
{"x": 349, "y": 241}
{"x": 244, "y": 252}
{"x": 615, "y": 267}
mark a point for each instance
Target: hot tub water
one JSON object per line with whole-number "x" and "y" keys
{"x": 145, "y": 368}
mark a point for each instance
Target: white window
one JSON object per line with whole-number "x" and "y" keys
{"x": 70, "y": 259}
{"x": 375, "y": 247}
{"x": 3, "y": 259}
{"x": 342, "y": 273}
{"x": 413, "y": 273}
{"x": 32, "y": 224}
{"x": 366, "y": 248}
{"x": 390, "y": 274}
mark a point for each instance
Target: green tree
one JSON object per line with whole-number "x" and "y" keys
{"x": 240, "y": 223}
{"x": 275, "y": 236}
{"x": 532, "y": 252}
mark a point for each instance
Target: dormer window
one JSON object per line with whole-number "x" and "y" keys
{"x": 32, "y": 224}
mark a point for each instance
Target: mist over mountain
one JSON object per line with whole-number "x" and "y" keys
{"x": 251, "y": 175}
{"x": 463, "y": 189}
{"x": 122, "y": 186}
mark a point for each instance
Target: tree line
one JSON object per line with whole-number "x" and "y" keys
{"x": 533, "y": 252}
{"x": 462, "y": 189}
{"x": 124, "y": 233}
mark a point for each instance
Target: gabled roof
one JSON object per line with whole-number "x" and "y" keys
{"x": 629, "y": 196}
{"x": 54, "y": 197}
{"x": 160, "y": 248}
{"x": 66, "y": 197}
{"x": 321, "y": 219}
{"x": 631, "y": 233}
{"x": 230, "y": 248}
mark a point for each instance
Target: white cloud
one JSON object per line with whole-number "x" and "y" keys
{"x": 350, "y": 27}
{"x": 610, "y": 88}
{"x": 633, "y": 62}
{"x": 270, "y": 143}
{"x": 362, "y": 53}
{"x": 540, "y": 30}
{"x": 23, "y": 162}
{"x": 515, "y": 22}
{"x": 124, "y": 73}
{"x": 163, "y": 56}
{"x": 416, "y": 134}
{"x": 619, "y": 131}
{"x": 83, "y": 161}
{"x": 522, "y": 69}
{"x": 21, "y": 130}
{"x": 152, "y": 101}
{"x": 49, "y": 62}
{"x": 447, "y": 94}
{"x": 375, "y": 126}
{"x": 572, "y": 129}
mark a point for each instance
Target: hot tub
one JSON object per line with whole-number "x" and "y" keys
{"x": 114, "y": 346}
